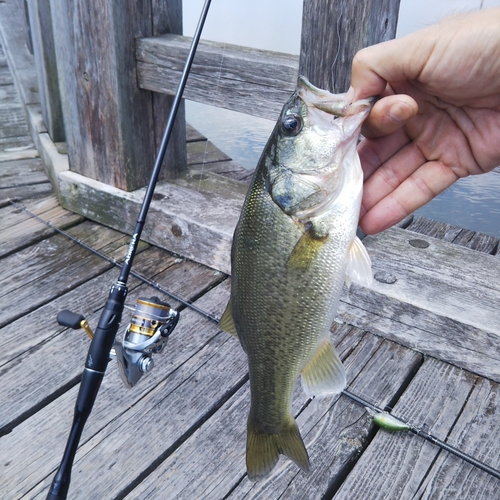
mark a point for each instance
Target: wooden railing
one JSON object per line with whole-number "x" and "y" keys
{"x": 108, "y": 69}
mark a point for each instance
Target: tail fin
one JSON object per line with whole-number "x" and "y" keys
{"x": 263, "y": 450}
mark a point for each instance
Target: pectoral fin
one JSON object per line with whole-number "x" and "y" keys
{"x": 359, "y": 264}
{"x": 226, "y": 322}
{"x": 306, "y": 249}
{"x": 324, "y": 375}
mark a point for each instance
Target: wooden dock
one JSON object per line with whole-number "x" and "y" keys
{"x": 424, "y": 343}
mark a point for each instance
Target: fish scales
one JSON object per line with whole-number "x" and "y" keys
{"x": 290, "y": 249}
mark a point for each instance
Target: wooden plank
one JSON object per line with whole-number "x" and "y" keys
{"x": 13, "y": 32}
{"x": 46, "y": 67}
{"x": 423, "y": 299}
{"x": 204, "y": 152}
{"x": 13, "y": 126}
{"x": 18, "y": 229}
{"x": 332, "y": 33}
{"x": 9, "y": 97}
{"x": 99, "y": 79}
{"x": 395, "y": 464}
{"x": 5, "y": 75}
{"x": 54, "y": 266}
{"x": 251, "y": 81}
{"x": 22, "y": 173}
{"x": 18, "y": 153}
{"x": 182, "y": 402}
{"x": 474, "y": 433}
{"x": 482, "y": 243}
{"x": 228, "y": 168}
{"x": 193, "y": 135}
{"x": 193, "y": 344}
{"x": 338, "y": 433}
{"x": 432, "y": 277}
{"x": 429, "y": 227}
{"x": 462, "y": 345}
{"x": 86, "y": 299}
{"x": 167, "y": 18}
{"x": 29, "y": 191}
{"x": 197, "y": 223}
{"x": 464, "y": 237}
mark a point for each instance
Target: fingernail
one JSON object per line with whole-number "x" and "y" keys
{"x": 400, "y": 111}
{"x": 349, "y": 95}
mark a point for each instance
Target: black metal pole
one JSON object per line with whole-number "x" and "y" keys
{"x": 109, "y": 321}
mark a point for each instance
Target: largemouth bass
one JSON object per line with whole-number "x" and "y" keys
{"x": 293, "y": 245}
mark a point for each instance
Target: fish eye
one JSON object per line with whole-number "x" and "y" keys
{"x": 292, "y": 124}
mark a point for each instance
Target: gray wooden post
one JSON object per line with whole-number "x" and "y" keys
{"x": 40, "y": 23}
{"x": 334, "y": 30}
{"x": 111, "y": 125}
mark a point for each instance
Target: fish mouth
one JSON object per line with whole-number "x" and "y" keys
{"x": 334, "y": 104}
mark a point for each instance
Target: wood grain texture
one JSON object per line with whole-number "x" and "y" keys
{"x": 197, "y": 223}
{"x": 434, "y": 306}
{"x": 333, "y": 31}
{"x": 46, "y": 67}
{"x": 338, "y": 434}
{"x": 464, "y": 237}
{"x": 475, "y": 430}
{"x": 18, "y": 229}
{"x": 13, "y": 31}
{"x": 251, "y": 81}
{"x": 111, "y": 129}
{"x": 55, "y": 358}
{"x": 395, "y": 464}
{"x": 56, "y": 265}
{"x": 442, "y": 286}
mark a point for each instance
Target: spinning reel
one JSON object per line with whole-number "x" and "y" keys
{"x": 147, "y": 333}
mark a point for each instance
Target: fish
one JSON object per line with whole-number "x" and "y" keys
{"x": 293, "y": 247}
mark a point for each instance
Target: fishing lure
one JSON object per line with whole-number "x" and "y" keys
{"x": 387, "y": 421}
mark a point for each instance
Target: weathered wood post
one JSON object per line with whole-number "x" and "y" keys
{"x": 113, "y": 127}
{"x": 334, "y": 30}
{"x": 40, "y": 23}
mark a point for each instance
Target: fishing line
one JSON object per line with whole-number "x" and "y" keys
{"x": 342, "y": 7}
{"x": 214, "y": 97}
{"x": 114, "y": 262}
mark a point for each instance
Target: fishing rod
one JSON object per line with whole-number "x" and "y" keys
{"x": 152, "y": 323}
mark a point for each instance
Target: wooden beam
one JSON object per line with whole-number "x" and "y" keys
{"x": 110, "y": 123}
{"x": 256, "y": 82}
{"x": 333, "y": 31}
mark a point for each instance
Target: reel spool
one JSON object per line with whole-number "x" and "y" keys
{"x": 147, "y": 333}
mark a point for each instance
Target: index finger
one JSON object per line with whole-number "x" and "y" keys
{"x": 392, "y": 61}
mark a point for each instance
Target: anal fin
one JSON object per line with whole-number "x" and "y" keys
{"x": 324, "y": 375}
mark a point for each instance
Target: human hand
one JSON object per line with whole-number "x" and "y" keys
{"x": 438, "y": 118}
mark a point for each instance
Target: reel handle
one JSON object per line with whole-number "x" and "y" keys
{"x": 70, "y": 319}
